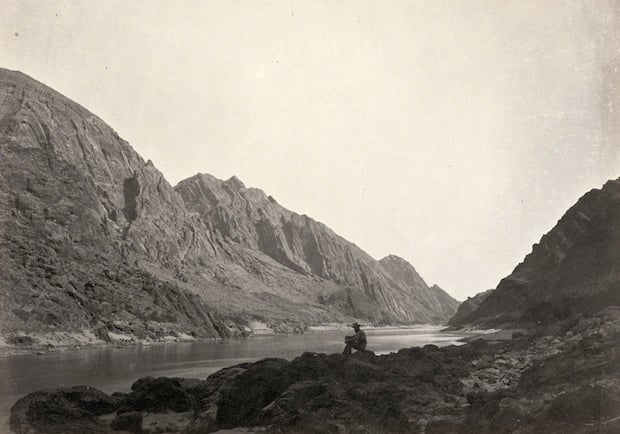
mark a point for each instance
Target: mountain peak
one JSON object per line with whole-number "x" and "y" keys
{"x": 235, "y": 182}
{"x": 395, "y": 259}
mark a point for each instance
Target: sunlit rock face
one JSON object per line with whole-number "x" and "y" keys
{"x": 94, "y": 241}
{"x": 574, "y": 269}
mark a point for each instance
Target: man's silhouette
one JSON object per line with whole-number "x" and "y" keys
{"x": 356, "y": 342}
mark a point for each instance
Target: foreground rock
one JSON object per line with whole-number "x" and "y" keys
{"x": 561, "y": 380}
{"x": 72, "y": 409}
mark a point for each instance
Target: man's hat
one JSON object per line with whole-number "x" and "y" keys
{"x": 355, "y": 324}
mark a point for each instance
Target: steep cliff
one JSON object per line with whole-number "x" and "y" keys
{"x": 380, "y": 291}
{"x": 574, "y": 269}
{"x": 94, "y": 241}
{"x": 82, "y": 216}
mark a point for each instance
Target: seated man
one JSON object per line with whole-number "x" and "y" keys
{"x": 357, "y": 341}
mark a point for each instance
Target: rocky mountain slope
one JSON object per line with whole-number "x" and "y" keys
{"x": 432, "y": 298}
{"x": 574, "y": 269}
{"x": 82, "y": 218}
{"x": 96, "y": 245}
{"x": 253, "y": 219}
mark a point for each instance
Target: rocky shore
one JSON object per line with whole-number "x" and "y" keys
{"x": 123, "y": 335}
{"x": 562, "y": 378}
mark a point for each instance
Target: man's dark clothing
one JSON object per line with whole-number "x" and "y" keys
{"x": 356, "y": 342}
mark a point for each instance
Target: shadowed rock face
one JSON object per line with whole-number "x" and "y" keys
{"x": 574, "y": 269}
{"x": 93, "y": 239}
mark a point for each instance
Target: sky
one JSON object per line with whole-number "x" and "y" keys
{"x": 451, "y": 133}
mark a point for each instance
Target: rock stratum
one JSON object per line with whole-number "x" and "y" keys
{"x": 97, "y": 246}
{"x": 574, "y": 269}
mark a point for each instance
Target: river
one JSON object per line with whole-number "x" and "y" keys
{"x": 115, "y": 369}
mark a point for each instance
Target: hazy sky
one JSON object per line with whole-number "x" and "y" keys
{"x": 451, "y": 133}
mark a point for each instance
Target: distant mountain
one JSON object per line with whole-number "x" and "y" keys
{"x": 468, "y": 306}
{"x": 434, "y": 299}
{"x": 369, "y": 289}
{"x": 95, "y": 244}
{"x": 574, "y": 269}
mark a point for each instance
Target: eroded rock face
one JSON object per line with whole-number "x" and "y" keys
{"x": 383, "y": 291}
{"x": 574, "y": 269}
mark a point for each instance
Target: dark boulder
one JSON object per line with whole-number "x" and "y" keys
{"x": 72, "y": 409}
{"x": 242, "y": 400}
{"x": 293, "y": 399}
{"x": 157, "y": 395}
{"x": 131, "y": 422}
{"x": 588, "y": 403}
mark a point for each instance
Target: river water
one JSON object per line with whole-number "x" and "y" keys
{"x": 114, "y": 369}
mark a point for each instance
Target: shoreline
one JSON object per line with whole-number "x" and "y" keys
{"x": 49, "y": 343}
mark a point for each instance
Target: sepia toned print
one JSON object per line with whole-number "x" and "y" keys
{"x": 199, "y": 201}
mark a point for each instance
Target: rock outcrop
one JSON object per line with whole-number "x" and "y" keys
{"x": 575, "y": 269}
{"x": 95, "y": 245}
